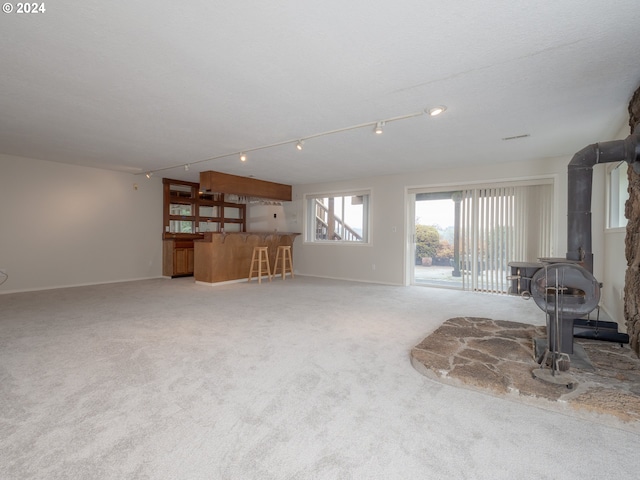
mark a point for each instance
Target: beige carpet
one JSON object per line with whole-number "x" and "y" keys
{"x": 497, "y": 357}
{"x": 288, "y": 380}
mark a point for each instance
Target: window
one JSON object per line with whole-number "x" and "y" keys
{"x": 340, "y": 218}
{"x": 618, "y": 195}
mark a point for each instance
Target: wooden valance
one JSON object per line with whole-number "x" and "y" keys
{"x": 218, "y": 182}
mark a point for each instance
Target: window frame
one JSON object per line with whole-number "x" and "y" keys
{"x": 309, "y": 217}
{"x": 621, "y": 198}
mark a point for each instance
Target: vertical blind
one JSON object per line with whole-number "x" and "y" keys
{"x": 501, "y": 225}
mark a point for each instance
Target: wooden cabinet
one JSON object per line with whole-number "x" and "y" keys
{"x": 183, "y": 260}
{"x": 177, "y": 258}
{"x": 244, "y": 186}
{"x": 188, "y": 213}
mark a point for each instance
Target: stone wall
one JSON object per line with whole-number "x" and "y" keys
{"x": 632, "y": 242}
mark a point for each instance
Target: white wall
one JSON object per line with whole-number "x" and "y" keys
{"x": 260, "y": 218}
{"x": 613, "y": 257}
{"x": 63, "y": 225}
{"x": 615, "y": 269}
{"x": 387, "y": 249}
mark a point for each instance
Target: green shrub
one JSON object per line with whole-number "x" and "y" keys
{"x": 427, "y": 241}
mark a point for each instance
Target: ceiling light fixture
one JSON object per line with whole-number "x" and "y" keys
{"x": 299, "y": 143}
{"x": 516, "y": 137}
{"x": 435, "y": 111}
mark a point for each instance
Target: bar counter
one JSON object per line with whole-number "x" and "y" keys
{"x": 224, "y": 257}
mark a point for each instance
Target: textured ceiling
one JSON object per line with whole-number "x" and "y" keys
{"x": 147, "y": 85}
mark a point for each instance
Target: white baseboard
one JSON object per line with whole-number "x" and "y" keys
{"x": 75, "y": 285}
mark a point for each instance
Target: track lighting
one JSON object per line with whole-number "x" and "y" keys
{"x": 436, "y": 110}
{"x": 378, "y": 129}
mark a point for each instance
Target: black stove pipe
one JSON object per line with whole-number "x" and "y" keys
{"x": 580, "y": 184}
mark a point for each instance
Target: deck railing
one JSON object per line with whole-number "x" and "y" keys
{"x": 331, "y": 227}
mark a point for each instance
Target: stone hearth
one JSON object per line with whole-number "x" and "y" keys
{"x": 497, "y": 357}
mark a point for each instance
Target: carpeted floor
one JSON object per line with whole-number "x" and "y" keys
{"x": 300, "y": 379}
{"x": 497, "y": 357}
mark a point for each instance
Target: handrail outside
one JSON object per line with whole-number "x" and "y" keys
{"x": 341, "y": 231}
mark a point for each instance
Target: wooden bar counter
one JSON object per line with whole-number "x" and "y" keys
{"x": 223, "y": 257}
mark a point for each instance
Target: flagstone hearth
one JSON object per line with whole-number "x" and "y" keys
{"x": 497, "y": 357}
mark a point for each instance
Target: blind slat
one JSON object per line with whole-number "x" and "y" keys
{"x": 501, "y": 225}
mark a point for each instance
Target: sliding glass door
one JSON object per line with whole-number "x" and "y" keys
{"x": 434, "y": 240}
{"x": 466, "y": 238}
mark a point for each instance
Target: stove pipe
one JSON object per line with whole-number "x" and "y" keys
{"x": 580, "y": 184}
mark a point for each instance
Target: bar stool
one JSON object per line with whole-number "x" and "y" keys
{"x": 282, "y": 256}
{"x": 259, "y": 258}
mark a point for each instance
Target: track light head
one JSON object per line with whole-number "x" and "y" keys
{"x": 378, "y": 129}
{"x": 243, "y": 157}
{"x": 300, "y": 144}
{"x": 186, "y": 167}
{"x": 435, "y": 111}
{"x": 149, "y": 174}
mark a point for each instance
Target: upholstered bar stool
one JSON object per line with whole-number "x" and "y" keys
{"x": 283, "y": 255}
{"x": 259, "y": 259}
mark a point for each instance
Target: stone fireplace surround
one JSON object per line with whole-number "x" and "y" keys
{"x": 632, "y": 242}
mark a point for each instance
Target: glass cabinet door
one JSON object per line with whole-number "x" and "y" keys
{"x": 189, "y": 212}
{"x": 181, "y": 226}
{"x": 180, "y": 209}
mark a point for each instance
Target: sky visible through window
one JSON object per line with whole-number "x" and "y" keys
{"x": 435, "y": 212}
